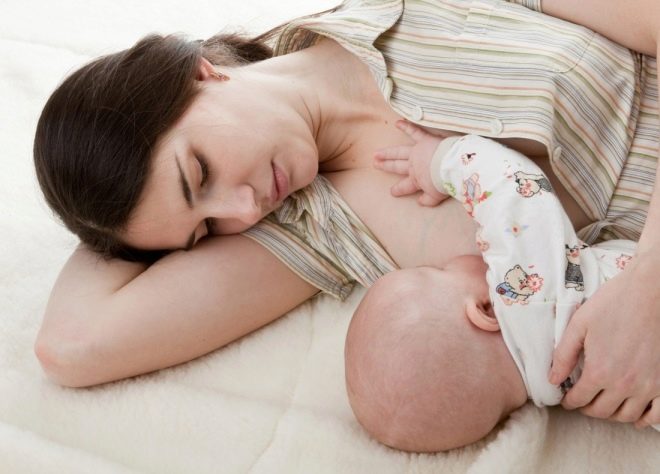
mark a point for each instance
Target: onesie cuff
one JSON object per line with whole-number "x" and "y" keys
{"x": 436, "y": 162}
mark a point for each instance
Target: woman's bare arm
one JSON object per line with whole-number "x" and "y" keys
{"x": 621, "y": 377}
{"x": 633, "y": 24}
{"x": 110, "y": 320}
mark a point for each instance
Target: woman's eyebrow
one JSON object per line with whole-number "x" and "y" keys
{"x": 187, "y": 195}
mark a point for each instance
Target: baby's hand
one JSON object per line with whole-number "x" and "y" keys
{"x": 413, "y": 161}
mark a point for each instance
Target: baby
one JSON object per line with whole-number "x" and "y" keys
{"x": 436, "y": 357}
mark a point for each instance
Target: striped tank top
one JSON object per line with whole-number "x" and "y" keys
{"x": 493, "y": 68}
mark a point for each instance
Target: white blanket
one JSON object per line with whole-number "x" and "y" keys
{"x": 273, "y": 402}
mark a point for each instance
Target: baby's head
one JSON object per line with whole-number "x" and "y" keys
{"x": 426, "y": 366}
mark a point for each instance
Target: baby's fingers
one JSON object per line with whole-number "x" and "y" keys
{"x": 404, "y": 187}
{"x": 401, "y": 152}
{"x": 430, "y": 201}
{"x": 393, "y": 159}
{"x": 393, "y": 166}
{"x": 412, "y": 130}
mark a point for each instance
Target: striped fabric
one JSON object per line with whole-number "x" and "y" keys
{"x": 504, "y": 70}
{"x": 319, "y": 237}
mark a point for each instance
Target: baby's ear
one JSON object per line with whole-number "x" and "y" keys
{"x": 482, "y": 315}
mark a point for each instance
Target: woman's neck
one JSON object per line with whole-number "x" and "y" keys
{"x": 330, "y": 89}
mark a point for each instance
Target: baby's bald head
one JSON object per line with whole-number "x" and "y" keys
{"x": 420, "y": 376}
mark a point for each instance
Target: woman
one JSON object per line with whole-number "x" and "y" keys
{"x": 217, "y": 158}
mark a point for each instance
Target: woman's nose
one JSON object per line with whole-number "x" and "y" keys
{"x": 240, "y": 205}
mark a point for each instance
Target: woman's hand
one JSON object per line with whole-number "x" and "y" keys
{"x": 413, "y": 162}
{"x": 619, "y": 330}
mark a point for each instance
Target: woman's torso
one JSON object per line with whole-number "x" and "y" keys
{"x": 506, "y": 71}
{"x": 413, "y": 235}
{"x": 522, "y": 93}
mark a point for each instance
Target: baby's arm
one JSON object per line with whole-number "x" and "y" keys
{"x": 414, "y": 163}
{"x": 522, "y": 227}
{"x": 504, "y": 191}
{"x": 533, "y": 255}
{"x": 523, "y": 236}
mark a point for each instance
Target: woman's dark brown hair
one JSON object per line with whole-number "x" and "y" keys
{"x": 97, "y": 132}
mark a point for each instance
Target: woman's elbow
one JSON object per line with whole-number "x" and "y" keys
{"x": 62, "y": 361}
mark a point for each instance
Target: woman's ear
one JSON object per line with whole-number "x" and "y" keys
{"x": 204, "y": 70}
{"x": 482, "y": 315}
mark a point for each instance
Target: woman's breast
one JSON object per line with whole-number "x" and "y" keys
{"x": 413, "y": 235}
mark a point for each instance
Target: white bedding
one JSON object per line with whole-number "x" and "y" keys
{"x": 273, "y": 402}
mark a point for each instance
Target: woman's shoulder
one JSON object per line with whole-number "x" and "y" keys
{"x": 360, "y": 20}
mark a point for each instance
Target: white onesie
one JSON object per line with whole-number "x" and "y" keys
{"x": 539, "y": 272}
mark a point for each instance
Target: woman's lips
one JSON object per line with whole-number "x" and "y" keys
{"x": 281, "y": 183}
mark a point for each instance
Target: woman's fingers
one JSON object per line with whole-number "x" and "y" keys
{"x": 583, "y": 393}
{"x": 567, "y": 352}
{"x": 621, "y": 360}
{"x": 631, "y": 410}
{"x": 651, "y": 417}
{"x": 564, "y": 360}
{"x": 405, "y": 187}
{"x": 604, "y": 405}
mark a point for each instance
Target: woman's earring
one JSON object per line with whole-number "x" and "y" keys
{"x": 220, "y": 76}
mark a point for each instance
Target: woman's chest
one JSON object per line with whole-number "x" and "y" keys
{"x": 412, "y": 235}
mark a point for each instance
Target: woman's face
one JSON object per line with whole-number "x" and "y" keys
{"x": 231, "y": 159}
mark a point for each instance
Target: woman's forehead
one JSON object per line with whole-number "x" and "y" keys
{"x": 163, "y": 181}
{"x": 160, "y": 213}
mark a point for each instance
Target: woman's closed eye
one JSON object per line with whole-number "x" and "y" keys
{"x": 205, "y": 171}
{"x": 209, "y": 222}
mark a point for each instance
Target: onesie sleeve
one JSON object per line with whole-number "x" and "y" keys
{"x": 524, "y": 232}
{"x": 526, "y": 239}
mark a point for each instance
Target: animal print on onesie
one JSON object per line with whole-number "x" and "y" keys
{"x": 539, "y": 272}
{"x": 530, "y": 184}
{"x": 574, "y": 278}
{"x": 472, "y": 194}
{"x": 518, "y": 286}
